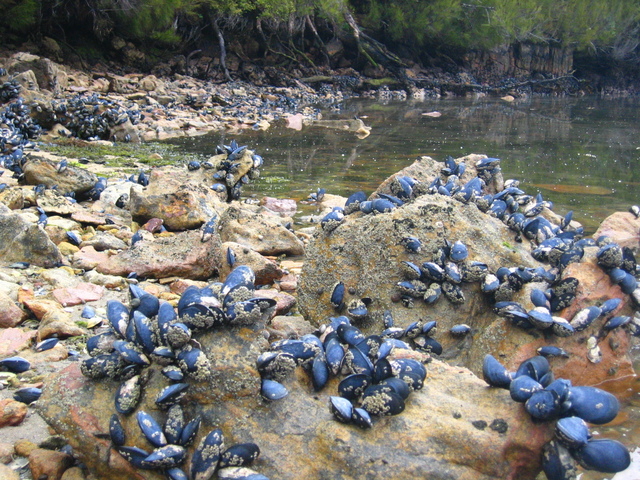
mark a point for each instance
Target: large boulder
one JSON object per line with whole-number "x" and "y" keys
{"x": 365, "y": 252}
{"x": 49, "y": 75}
{"x": 455, "y": 427}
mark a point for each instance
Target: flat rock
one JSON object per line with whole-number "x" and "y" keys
{"x": 264, "y": 234}
{"x": 59, "y": 324}
{"x": 82, "y": 293}
{"x": 179, "y": 255}
{"x": 52, "y": 201}
{"x": 623, "y": 228}
{"x": 14, "y": 340}
{"x": 88, "y": 258}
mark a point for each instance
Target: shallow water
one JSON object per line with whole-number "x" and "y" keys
{"x": 583, "y": 154}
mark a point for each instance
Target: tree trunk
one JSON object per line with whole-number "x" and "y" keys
{"x": 223, "y": 50}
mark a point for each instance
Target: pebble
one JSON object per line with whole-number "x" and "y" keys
{"x": 12, "y": 413}
{"x": 6, "y": 452}
{"x": 7, "y": 473}
{"x": 24, "y": 447}
{"x": 48, "y": 464}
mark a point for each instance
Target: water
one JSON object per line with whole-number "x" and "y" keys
{"x": 582, "y": 153}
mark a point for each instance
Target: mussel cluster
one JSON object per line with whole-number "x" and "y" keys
{"x": 91, "y": 117}
{"x": 377, "y": 382}
{"x": 546, "y": 398}
{"x": 152, "y": 331}
{"x": 9, "y": 90}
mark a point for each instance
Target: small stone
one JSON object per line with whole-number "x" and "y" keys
{"x": 12, "y": 412}
{"x": 67, "y": 249}
{"x": 7, "y": 473}
{"x": 74, "y": 473}
{"x": 10, "y": 314}
{"x": 6, "y": 452}
{"x": 24, "y": 447}
{"x": 479, "y": 424}
{"x": 13, "y": 340}
{"x": 49, "y": 464}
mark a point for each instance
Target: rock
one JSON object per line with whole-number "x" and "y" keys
{"x": 622, "y": 228}
{"x": 6, "y": 453}
{"x": 24, "y": 447}
{"x": 50, "y": 75}
{"x": 14, "y": 340}
{"x": 301, "y": 424}
{"x": 74, "y": 473}
{"x": 284, "y": 301}
{"x": 105, "y": 241}
{"x": 186, "y": 207}
{"x": 12, "y": 413}
{"x": 55, "y": 354}
{"x": 27, "y": 80}
{"x": 83, "y": 293}
{"x": 290, "y": 326}
{"x": 88, "y": 258}
{"x": 49, "y": 464}
{"x": 10, "y": 314}
{"x": 125, "y": 132}
{"x": 22, "y": 241}
{"x": 37, "y": 305}
{"x": 52, "y": 201}
{"x": 73, "y": 179}
{"x": 285, "y": 206}
{"x": 263, "y": 234}
{"x": 62, "y": 277}
{"x": 265, "y": 270}
{"x": 8, "y": 473}
{"x": 14, "y": 198}
{"x": 179, "y": 255}
{"x": 58, "y": 323}
{"x": 108, "y": 281}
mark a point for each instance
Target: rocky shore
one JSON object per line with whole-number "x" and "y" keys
{"x": 70, "y": 242}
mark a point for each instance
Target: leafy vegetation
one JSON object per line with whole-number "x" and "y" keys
{"x": 293, "y": 28}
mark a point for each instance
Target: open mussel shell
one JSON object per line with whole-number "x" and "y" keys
{"x": 604, "y": 455}
{"x": 494, "y": 373}
{"x": 239, "y": 455}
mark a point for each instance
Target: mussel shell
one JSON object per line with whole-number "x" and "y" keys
{"x": 173, "y": 424}
{"x": 171, "y": 395}
{"x": 272, "y": 390}
{"x": 239, "y": 473}
{"x": 494, "y": 373}
{"x": 167, "y": 456}
{"x": 361, "y": 418}
{"x": 522, "y": 387}
{"x": 319, "y": 372}
{"x": 382, "y": 400}
{"x": 135, "y": 456}
{"x": 397, "y": 385}
{"x": 427, "y": 344}
{"x": 116, "y": 431}
{"x": 47, "y": 344}
{"x": 118, "y": 316}
{"x": 543, "y": 405}
{"x": 604, "y": 455}
{"x": 239, "y": 455}
{"x": 128, "y": 395}
{"x": 189, "y": 432}
{"x": 557, "y": 462}
{"x": 206, "y": 456}
{"x": 15, "y": 364}
{"x": 337, "y": 296}
{"x": 549, "y": 351}
{"x": 194, "y": 363}
{"x": 593, "y": 405}
{"x": 352, "y": 386}
{"x": 573, "y": 432}
{"x": 357, "y": 362}
{"x": 151, "y": 429}
{"x": 27, "y": 395}
{"x": 341, "y": 408}
{"x": 534, "y": 367}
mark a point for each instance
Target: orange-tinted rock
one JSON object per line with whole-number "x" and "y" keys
{"x": 11, "y": 412}
{"x": 14, "y": 340}
{"x": 6, "y": 453}
{"x": 10, "y": 314}
{"x": 49, "y": 464}
{"x": 265, "y": 270}
{"x": 88, "y": 258}
{"x": 82, "y": 293}
{"x": 58, "y": 323}
{"x": 8, "y": 473}
{"x": 286, "y": 206}
{"x": 623, "y": 228}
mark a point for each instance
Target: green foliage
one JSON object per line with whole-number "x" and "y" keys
{"x": 19, "y": 15}
{"x": 147, "y": 19}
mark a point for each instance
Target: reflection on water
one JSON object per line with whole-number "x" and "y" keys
{"x": 583, "y": 154}
{"x": 571, "y": 143}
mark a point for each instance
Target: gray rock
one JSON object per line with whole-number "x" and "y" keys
{"x": 74, "y": 179}
{"x": 22, "y": 241}
{"x": 264, "y": 234}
